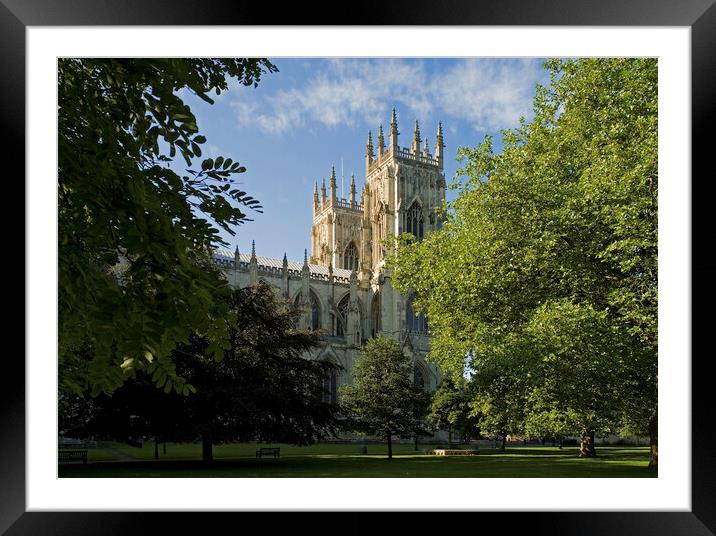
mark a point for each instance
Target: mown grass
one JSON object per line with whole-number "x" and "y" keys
{"x": 186, "y": 451}
{"x": 98, "y": 455}
{"x": 341, "y": 461}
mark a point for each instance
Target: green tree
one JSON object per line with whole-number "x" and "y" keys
{"x": 120, "y": 124}
{"x": 498, "y": 399}
{"x": 264, "y": 388}
{"x": 383, "y": 398}
{"x": 574, "y": 382}
{"x": 563, "y": 219}
{"x": 450, "y": 409}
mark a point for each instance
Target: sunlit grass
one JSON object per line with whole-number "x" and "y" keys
{"x": 342, "y": 461}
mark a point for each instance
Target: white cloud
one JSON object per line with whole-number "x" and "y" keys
{"x": 488, "y": 94}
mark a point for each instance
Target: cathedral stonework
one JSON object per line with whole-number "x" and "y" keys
{"x": 343, "y": 287}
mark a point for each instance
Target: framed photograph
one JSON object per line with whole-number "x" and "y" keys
{"x": 34, "y": 500}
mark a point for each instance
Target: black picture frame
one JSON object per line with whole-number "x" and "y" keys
{"x": 699, "y": 15}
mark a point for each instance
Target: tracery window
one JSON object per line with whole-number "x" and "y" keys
{"x": 315, "y": 319}
{"x": 350, "y": 257}
{"x": 330, "y": 390}
{"x": 413, "y": 322}
{"x": 343, "y": 309}
{"x": 414, "y": 220}
{"x": 315, "y": 313}
{"x": 419, "y": 377}
{"x": 375, "y": 315}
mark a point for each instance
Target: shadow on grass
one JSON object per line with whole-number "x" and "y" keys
{"x": 515, "y": 463}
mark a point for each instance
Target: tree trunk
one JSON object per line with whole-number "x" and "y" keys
{"x": 503, "y": 447}
{"x": 416, "y": 443}
{"x": 449, "y": 435}
{"x": 587, "y": 450}
{"x": 653, "y": 440}
{"x": 207, "y": 454}
{"x": 390, "y": 445}
{"x": 156, "y": 448}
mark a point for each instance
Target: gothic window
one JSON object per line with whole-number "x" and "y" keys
{"x": 350, "y": 257}
{"x": 315, "y": 319}
{"x": 414, "y": 220}
{"x": 413, "y": 322}
{"x": 419, "y": 377}
{"x": 315, "y": 313}
{"x": 343, "y": 308}
{"x": 330, "y": 388}
{"x": 375, "y": 314}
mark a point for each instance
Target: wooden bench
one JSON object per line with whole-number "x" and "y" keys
{"x": 265, "y": 451}
{"x": 71, "y": 455}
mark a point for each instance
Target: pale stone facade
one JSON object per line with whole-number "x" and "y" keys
{"x": 344, "y": 288}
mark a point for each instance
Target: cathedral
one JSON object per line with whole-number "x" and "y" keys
{"x": 343, "y": 287}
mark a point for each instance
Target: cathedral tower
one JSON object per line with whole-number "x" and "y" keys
{"x": 403, "y": 188}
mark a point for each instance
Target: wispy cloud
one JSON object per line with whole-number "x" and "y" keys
{"x": 488, "y": 94}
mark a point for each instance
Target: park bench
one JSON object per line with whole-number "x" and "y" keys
{"x": 71, "y": 455}
{"x": 265, "y": 451}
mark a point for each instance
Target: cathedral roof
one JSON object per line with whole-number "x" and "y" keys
{"x": 225, "y": 256}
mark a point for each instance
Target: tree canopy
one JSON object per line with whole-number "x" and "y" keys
{"x": 134, "y": 235}
{"x": 548, "y": 256}
{"x": 450, "y": 409}
{"x": 263, "y": 389}
{"x": 383, "y": 399}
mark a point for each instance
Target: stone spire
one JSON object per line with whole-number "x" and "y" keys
{"x": 305, "y": 298}
{"x": 415, "y": 149}
{"x": 353, "y": 191}
{"x": 315, "y": 197}
{"x": 439, "y": 145}
{"x": 426, "y": 150}
{"x": 253, "y": 264}
{"x": 369, "y": 152}
{"x": 323, "y": 193}
{"x": 284, "y": 276}
{"x": 393, "y": 130}
{"x": 381, "y": 140}
{"x": 333, "y": 185}
{"x": 237, "y": 258}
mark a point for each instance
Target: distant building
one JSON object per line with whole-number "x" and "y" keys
{"x": 343, "y": 287}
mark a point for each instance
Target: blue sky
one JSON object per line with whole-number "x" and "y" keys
{"x": 300, "y": 121}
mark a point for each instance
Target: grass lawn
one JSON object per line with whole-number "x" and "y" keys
{"x": 98, "y": 455}
{"x": 339, "y": 461}
{"x": 192, "y": 451}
